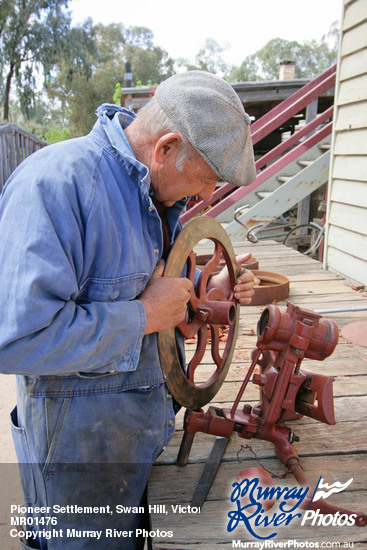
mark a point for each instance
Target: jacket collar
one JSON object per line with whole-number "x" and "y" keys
{"x": 113, "y": 119}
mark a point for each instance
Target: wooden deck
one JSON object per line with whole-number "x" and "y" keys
{"x": 336, "y": 453}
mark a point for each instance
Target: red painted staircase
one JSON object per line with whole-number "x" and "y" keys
{"x": 291, "y": 170}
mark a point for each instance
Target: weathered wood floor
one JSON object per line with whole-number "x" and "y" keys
{"x": 336, "y": 453}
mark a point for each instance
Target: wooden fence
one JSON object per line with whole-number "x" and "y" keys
{"x": 15, "y": 146}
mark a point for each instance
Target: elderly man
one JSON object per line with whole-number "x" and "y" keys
{"x": 84, "y": 227}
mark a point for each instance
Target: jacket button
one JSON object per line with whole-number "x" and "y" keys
{"x": 156, "y": 251}
{"x": 171, "y": 422}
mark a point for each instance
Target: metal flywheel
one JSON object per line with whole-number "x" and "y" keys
{"x": 209, "y": 313}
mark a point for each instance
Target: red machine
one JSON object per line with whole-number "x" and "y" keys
{"x": 283, "y": 341}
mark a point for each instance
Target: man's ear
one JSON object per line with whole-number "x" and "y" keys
{"x": 166, "y": 147}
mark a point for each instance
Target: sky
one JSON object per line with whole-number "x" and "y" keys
{"x": 243, "y": 26}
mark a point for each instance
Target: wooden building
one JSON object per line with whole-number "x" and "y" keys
{"x": 346, "y": 243}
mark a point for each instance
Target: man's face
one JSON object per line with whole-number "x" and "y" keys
{"x": 196, "y": 178}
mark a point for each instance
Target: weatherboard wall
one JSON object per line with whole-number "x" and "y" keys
{"x": 346, "y": 249}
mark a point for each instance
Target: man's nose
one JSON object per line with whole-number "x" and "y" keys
{"x": 207, "y": 192}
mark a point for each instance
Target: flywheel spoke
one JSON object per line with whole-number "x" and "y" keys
{"x": 208, "y": 270}
{"x": 199, "y": 353}
{"x": 215, "y": 346}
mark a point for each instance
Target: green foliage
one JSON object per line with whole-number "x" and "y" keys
{"x": 247, "y": 71}
{"x": 32, "y": 34}
{"x": 311, "y": 58}
{"x": 148, "y": 64}
{"x": 80, "y": 87}
{"x": 208, "y": 59}
{"x": 109, "y": 42}
{"x": 117, "y": 94}
{"x": 53, "y": 135}
{"x": 81, "y": 92}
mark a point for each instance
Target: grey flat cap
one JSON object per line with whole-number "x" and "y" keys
{"x": 208, "y": 112}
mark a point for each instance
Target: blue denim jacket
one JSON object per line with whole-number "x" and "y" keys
{"x": 80, "y": 239}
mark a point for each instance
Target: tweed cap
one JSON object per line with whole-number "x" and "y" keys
{"x": 209, "y": 114}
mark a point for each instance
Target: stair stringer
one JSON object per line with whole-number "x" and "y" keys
{"x": 285, "y": 197}
{"x": 272, "y": 183}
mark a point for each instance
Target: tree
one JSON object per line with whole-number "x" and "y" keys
{"x": 311, "y": 58}
{"x": 32, "y": 34}
{"x": 82, "y": 87}
{"x": 6, "y": 6}
{"x": 70, "y": 84}
{"x": 247, "y": 71}
{"x": 81, "y": 91}
{"x": 150, "y": 64}
{"x": 208, "y": 59}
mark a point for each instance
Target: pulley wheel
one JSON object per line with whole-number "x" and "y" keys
{"x": 208, "y": 312}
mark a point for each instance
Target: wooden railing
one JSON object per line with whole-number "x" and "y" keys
{"x": 265, "y": 126}
{"x": 15, "y": 146}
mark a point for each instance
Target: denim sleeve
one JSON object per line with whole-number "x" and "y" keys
{"x": 44, "y": 330}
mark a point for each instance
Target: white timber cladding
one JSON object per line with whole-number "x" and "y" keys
{"x": 346, "y": 241}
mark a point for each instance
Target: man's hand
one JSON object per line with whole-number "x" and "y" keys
{"x": 165, "y": 301}
{"x": 244, "y": 286}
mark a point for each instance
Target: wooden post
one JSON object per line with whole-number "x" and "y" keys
{"x": 303, "y": 212}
